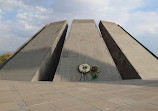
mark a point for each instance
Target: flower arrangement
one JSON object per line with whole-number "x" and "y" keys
{"x": 84, "y": 68}
{"x": 95, "y": 70}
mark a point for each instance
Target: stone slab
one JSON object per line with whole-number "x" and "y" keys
{"x": 79, "y": 96}
{"x": 144, "y": 63}
{"x": 33, "y": 56}
{"x": 84, "y": 45}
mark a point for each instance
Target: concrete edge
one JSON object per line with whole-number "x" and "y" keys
{"x": 132, "y": 37}
{"x": 138, "y": 42}
{"x": 83, "y": 21}
{"x": 101, "y": 25}
{"x": 21, "y": 47}
{"x": 51, "y": 49}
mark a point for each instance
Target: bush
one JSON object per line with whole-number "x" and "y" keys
{"x": 5, "y": 57}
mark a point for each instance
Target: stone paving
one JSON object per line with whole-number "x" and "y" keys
{"x": 129, "y": 95}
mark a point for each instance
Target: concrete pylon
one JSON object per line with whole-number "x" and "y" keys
{"x": 38, "y": 58}
{"x": 132, "y": 59}
{"x": 85, "y": 45}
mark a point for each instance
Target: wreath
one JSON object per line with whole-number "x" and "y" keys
{"x": 84, "y": 68}
{"x": 95, "y": 72}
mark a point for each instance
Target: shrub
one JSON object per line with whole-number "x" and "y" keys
{"x": 4, "y": 57}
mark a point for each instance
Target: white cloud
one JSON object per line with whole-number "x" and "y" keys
{"x": 1, "y": 14}
{"x": 9, "y": 40}
{"x": 33, "y": 18}
{"x": 32, "y": 15}
{"x": 144, "y": 22}
{"x": 8, "y": 5}
{"x": 144, "y": 27}
{"x": 29, "y": 19}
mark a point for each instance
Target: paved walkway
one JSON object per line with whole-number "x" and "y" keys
{"x": 135, "y": 95}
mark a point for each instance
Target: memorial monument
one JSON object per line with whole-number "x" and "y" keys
{"x": 111, "y": 55}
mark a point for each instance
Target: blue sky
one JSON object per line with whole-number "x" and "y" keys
{"x": 20, "y": 19}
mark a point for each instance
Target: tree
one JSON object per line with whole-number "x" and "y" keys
{"x": 4, "y": 57}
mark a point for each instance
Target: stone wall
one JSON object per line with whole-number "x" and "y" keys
{"x": 125, "y": 68}
{"x": 131, "y": 58}
{"x": 85, "y": 45}
{"x": 32, "y": 59}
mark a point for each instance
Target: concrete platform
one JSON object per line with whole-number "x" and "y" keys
{"x": 35, "y": 57}
{"x": 131, "y": 95}
{"x": 132, "y": 59}
{"x": 85, "y": 45}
